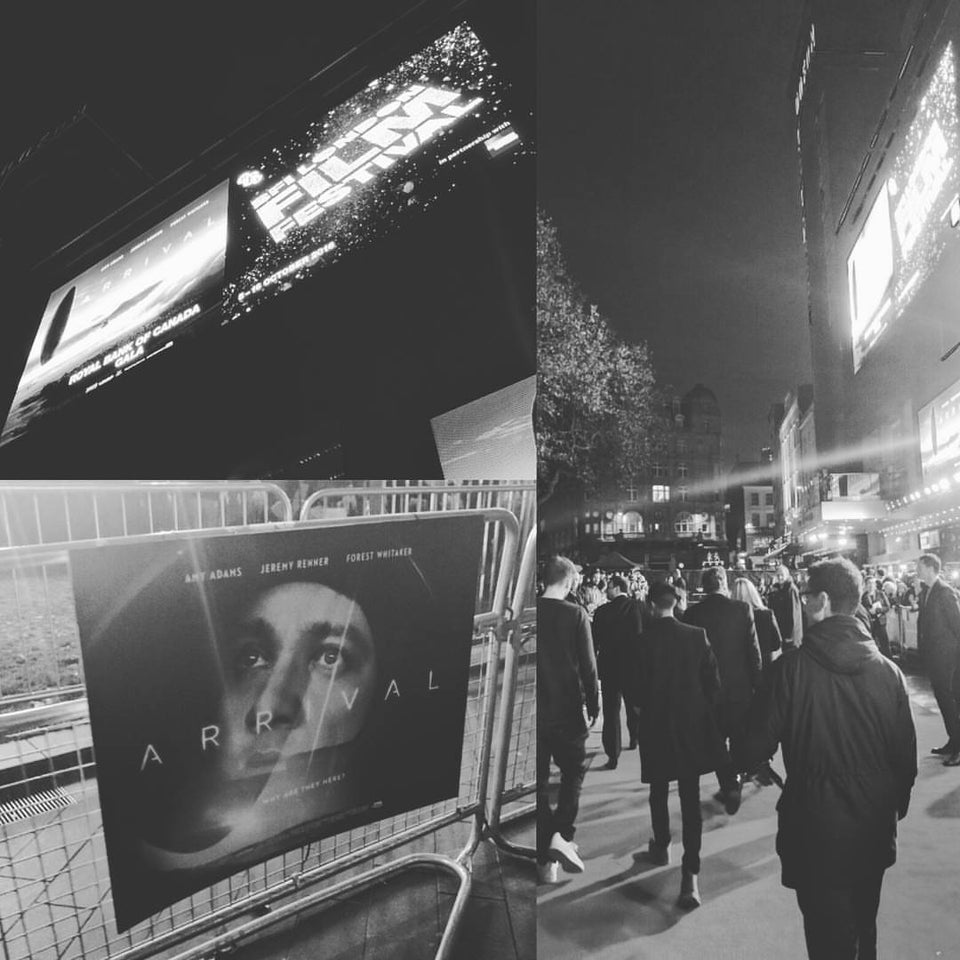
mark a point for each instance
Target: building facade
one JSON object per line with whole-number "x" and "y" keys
{"x": 672, "y": 514}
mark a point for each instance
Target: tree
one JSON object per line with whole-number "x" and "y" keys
{"x": 597, "y": 403}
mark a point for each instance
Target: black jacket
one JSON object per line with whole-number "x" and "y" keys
{"x": 616, "y": 627}
{"x": 938, "y": 623}
{"x": 733, "y": 636}
{"x": 768, "y": 634}
{"x": 784, "y": 601}
{"x": 566, "y": 668}
{"x": 840, "y": 711}
{"x": 674, "y": 683}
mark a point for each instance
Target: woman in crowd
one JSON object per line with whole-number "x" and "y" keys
{"x": 768, "y": 632}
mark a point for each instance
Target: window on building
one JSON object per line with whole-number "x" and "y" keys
{"x": 659, "y": 470}
{"x": 682, "y": 493}
{"x": 632, "y": 523}
{"x": 681, "y": 470}
{"x": 678, "y": 420}
{"x": 754, "y": 499}
{"x": 755, "y": 520}
{"x": 681, "y": 444}
{"x": 683, "y": 524}
{"x": 768, "y": 499}
{"x": 633, "y": 491}
{"x": 661, "y": 493}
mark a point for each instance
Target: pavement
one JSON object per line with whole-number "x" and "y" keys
{"x": 622, "y": 907}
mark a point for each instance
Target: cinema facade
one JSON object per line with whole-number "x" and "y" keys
{"x": 878, "y": 134}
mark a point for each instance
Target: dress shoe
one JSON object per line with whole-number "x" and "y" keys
{"x": 944, "y": 751}
{"x": 952, "y": 761}
{"x": 731, "y": 799}
{"x": 611, "y": 764}
{"x": 689, "y": 891}
{"x": 658, "y": 854}
{"x": 566, "y": 851}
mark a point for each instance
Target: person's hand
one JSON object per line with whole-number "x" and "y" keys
{"x": 592, "y": 717}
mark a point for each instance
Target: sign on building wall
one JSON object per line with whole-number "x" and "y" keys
{"x": 253, "y": 692}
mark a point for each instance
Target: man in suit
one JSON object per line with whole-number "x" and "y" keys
{"x": 938, "y": 642}
{"x": 674, "y": 684}
{"x": 616, "y": 627}
{"x": 732, "y": 634}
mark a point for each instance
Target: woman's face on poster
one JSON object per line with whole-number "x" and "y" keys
{"x": 299, "y": 676}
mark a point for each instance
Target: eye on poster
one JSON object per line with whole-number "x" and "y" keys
{"x": 250, "y": 693}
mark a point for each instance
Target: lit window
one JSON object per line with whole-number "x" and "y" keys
{"x": 683, "y": 525}
{"x": 632, "y": 522}
{"x": 661, "y": 493}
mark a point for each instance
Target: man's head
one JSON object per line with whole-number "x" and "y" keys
{"x": 833, "y": 587}
{"x": 714, "y": 580}
{"x": 870, "y": 584}
{"x": 559, "y": 577}
{"x": 663, "y": 598}
{"x": 928, "y": 568}
{"x": 616, "y": 585}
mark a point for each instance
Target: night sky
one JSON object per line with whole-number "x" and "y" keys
{"x": 667, "y": 159}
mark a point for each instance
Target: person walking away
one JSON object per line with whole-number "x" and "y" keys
{"x": 566, "y": 682}
{"x": 732, "y": 634}
{"x": 675, "y": 683}
{"x": 877, "y": 605}
{"x": 768, "y": 632}
{"x": 938, "y": 643}
{"x": 840, "y": 712}
{"x": 616, "y": 628}
{"x": 784, "y": 601}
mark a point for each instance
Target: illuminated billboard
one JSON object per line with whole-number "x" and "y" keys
{"x": 907, "y": 228}
{"x": 249, "y": 694}
{"x": 939, "y": 423}
{"x": 358, "y": 171}
{"x": 124, "y": 310}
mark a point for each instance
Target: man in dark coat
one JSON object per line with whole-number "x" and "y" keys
{"x": 733, "y": 637}
{"x": 938, "y": 642}
{"x": 566, "y": 682}
{"x": 616, "y": 627}
{"x": 784, "y": 601}
{"x": 840, "y": 711}
{"x": 674, "y": 684}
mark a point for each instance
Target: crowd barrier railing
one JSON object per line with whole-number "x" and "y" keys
{"x": 54, "y": 888}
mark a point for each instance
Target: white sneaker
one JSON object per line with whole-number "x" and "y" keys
{"x": 566, "y": 852}
{"x": 548, "y": 872}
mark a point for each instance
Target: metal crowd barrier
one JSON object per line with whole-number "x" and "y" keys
{"x": 54, "y": 882}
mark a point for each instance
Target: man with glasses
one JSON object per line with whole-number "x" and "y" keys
{"x": 840, "y": 711}
{"x": 938, "y": 642}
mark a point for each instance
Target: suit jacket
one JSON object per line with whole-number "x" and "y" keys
{"x": 732, "y": 633}
{"x": 784, "y": 601}
{"x": 674, "y": 683}
{"x": 768, "y": 634}
{"x": 616, "y": 627}
{"x": 938, "y": 623}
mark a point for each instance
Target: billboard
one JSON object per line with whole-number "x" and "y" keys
{"x": 124, "y": 310}
{"x": 359, "y": 170}
{"x": 906, "y": 230}
{"x": 491, "y": 437}
{"x": 939, "y": 425}
{"x": 250, "y": 693}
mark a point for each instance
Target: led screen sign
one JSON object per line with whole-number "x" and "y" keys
{"x": 939, "y": 423}
{"x": 907, "y": 227}
{"x": 357, "y": 172}
{"x": 124, "y": 310}
{"x": 252, "y": 693}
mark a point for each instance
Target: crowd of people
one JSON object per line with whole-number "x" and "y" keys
{"x": 717, "y": 683}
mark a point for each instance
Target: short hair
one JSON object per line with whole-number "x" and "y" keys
{"x": 743, "y": 589}
{"x": 840, "y": 580}
{"x": 662, "y": 595}
{"x": 558, "y": 570}
{"x": 930, "y": 560}
{"x": 618, "y": 582}
{"x": 711, "y": 579}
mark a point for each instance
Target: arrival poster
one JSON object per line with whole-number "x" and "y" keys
{"x": 251, "y": 692}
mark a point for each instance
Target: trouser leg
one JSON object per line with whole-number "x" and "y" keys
{"x": 733, "y": 727}
{"x": 659, "y": 815}
{"x": 545, "y": 824}
{"x": 689, "y": 788}
{"x": 943, "y": 676}
{"x": 829, "y": 921}
{"x": 570, "y": 755}
{"x": 611, "y": 736}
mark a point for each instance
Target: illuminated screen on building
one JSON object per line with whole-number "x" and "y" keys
{"x": 358, "y": 171}
{"x": 124, "y": 310}
{"x": 939, "y": 423}
{"x": 907, "y": 227}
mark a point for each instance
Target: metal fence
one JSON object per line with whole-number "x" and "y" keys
{"x": 54, "y": 883}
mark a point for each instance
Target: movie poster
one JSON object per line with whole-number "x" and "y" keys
{"x": 359, "y": 170}
{"x": 250, "y": 693}
{"x": 124, "y": 310}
